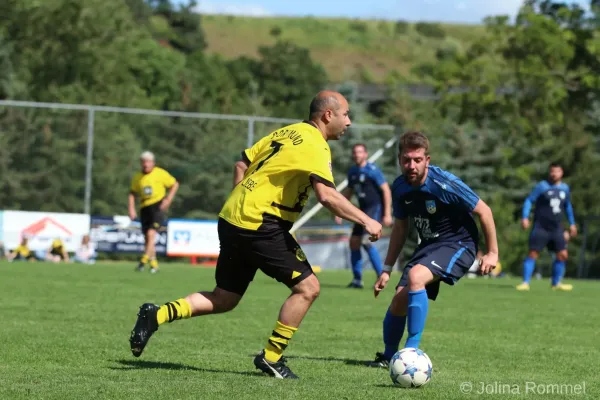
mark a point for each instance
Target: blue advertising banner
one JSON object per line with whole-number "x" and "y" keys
{"x": 118, "y": 234}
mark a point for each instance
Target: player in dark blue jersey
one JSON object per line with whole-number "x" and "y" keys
{"x": 441, "y": 206}
{"x": 366, "y": 181}
{"x": 552, "y": 199}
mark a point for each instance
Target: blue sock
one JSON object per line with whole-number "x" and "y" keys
{"x": 356, "y": 259}
{"x": 417, "y": 314}
{"x": 558, "y": 269}
{"x": 393, "y": 329}
{"x": 375, "y": 258}
{"x": 528, "y": 267}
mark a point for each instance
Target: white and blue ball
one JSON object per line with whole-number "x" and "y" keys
{"x": 410, "y": 367}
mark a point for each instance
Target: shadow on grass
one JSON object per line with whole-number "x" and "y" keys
{"x": 139, "y": 364}
{"x": 346, "y": 361}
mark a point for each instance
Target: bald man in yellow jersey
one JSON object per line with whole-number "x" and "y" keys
{"x": 156, "y": 189}
{"x": 272, "y": 183}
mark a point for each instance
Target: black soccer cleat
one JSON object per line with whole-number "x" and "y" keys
{"x": 277, "y": 370}
{"x": 145, "y": 326}
{"x": 379, "y": 362}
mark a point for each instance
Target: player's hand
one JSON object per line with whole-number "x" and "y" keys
{"x": 573, "y": 230}
{"x": 387, "y": 220}
{"x": 373, "y": 228}
{"x": 338, "y": 220}
{"x": 488, "y": 263}
{"x": 381, "y": 283}
{"x": 132, "y": 215}
{"x": 525, "y": 223}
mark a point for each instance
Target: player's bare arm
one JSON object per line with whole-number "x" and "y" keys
{"x": 132, "y": 212}
{"x": 169, "y": 199}
{"x": 338, "y": 204}
{"x": 239, "y": 171}
{"x": 387, "y": 204}
{"x": 348, "y": 193}
{"x": 397, "y": 241}
{"x": 486, "y": 218}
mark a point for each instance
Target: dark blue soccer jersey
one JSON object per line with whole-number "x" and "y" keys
{"x": 441, "y": 208}
{"x": 366, "y": 183}
{"x": 551, "y": 201}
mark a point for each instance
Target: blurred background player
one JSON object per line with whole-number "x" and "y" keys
{"x": 366, "y": 181}
{"x": 57, "y": 251}
{"x": 85, "y": 254}
{"x": 441, "y": 207}
{"x": 552, "y": 199}
{"x": 272, "y": 184}
{"x": 151, "y": 185}
{"x": 22, "y": 252}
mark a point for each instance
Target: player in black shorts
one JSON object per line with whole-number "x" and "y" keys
{"x": 441, "y": 207}
{"x": 272, "y": 184}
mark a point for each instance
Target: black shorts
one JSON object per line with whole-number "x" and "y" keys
{"x": 276, "y": 253}
{"x": 151, "y": 217}
{"x": 447, "y": 261}
{"x": 58, "y": 251}
{"x": 553, "y": 239}
{"x": 372, "y": 212}
{"x": 21, "y": 257}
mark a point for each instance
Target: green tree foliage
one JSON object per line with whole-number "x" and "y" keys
{"x": 524, "y": 91}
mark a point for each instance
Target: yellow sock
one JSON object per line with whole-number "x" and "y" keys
{"x": 278, "y": 341}
{"x": 178, "y": 309}
{"x": 144, "y": 259}
{"x": 154, "y": 263}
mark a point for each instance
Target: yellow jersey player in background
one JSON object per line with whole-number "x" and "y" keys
{"x": 22, "y": 252}
{"x": 272, "y": 183}
{"x": 57, "y": 251}
{"x": 151, "y": 185}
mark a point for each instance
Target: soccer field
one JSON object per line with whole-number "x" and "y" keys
{"x": 65, "y": 331}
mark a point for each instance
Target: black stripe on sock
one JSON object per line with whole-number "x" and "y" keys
{"x": 279, "y": 335}
{"x": 169, "y": 312}
{"x": 175, "y": 313}
{"x": 278, "y": 345}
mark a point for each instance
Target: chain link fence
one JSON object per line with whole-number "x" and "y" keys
{"x": 80, "y": 158}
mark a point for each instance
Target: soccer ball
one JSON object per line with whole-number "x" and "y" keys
{"x": 410, "y": 367}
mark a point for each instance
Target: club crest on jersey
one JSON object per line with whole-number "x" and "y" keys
{"x": 300, "y": 254}
{"x": 562, "y": 195}
{"x": 430, "y": 205}
{"x": 362, "y": 177}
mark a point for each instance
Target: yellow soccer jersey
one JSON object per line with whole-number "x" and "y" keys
{"x": 23, "y": 251}
{"x": 278, "y": 181}
{"x": 57, "y": 244}
{"x": 151, "y": 187}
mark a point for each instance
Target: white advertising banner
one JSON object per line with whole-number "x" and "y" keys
{"x": 41, "y": 228}
{"x": 187, "y": 238}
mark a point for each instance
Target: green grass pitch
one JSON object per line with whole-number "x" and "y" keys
{"x": 64, "y": 333}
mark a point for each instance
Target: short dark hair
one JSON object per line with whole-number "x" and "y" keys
{"x": 413, "y": 140}
{"x": 364, "y": 146}
{"x": 555, "y": 164}
{"x": 319, "y": 104}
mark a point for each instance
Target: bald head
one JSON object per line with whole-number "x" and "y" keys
{"x": 329, "y": 111}
{"x": 323, "y": 101}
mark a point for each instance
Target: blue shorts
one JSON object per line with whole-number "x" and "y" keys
{"x": 447, "y": 261}
{"x": 372, "y": 212}
{"x": 541, "y": 238}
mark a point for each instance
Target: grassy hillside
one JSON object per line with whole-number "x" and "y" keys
{"x": 349, "y": 49}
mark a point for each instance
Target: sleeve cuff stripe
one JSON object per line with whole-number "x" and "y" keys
{"x": 314, "y": 177}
